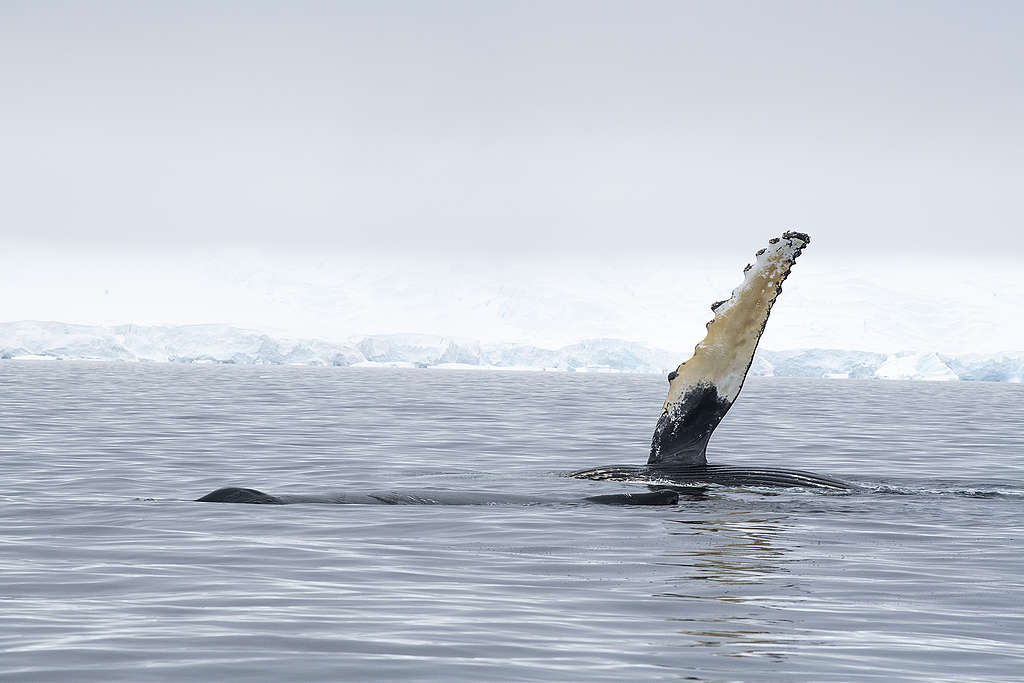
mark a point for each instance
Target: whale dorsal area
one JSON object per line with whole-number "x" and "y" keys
{"x": 702, "y": 389}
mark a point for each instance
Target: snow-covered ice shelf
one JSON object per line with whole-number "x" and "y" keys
{"x": 227, "y": 344}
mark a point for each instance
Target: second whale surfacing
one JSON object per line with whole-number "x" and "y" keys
{"x": 702, "y": 389}
{"x": 700, "y": 392}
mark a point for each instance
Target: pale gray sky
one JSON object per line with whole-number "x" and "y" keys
{"x": 520, "y": 171}
{"x": 675, "y": 127}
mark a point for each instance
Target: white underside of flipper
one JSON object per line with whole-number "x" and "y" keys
{"x": 703, "y": 388}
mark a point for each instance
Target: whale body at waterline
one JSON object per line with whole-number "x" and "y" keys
{"x": 233, "y": 494}
{"x": 701, "y": 391}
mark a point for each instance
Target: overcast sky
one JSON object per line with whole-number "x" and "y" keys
{"x": 673, "y": 131}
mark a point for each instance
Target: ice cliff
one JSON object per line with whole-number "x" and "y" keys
{"x": 225, "y": 344}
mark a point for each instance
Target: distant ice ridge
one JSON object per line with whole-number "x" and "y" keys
{"x": 226, "y": 344}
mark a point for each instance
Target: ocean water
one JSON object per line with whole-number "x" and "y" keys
{"x": 108, "y": 571}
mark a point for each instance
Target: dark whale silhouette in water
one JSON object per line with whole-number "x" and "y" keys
{"x": 232, "y": 494}
{"x": 701, "y": 391}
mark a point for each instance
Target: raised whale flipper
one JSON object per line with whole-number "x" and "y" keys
{"x": 702, "y": 389}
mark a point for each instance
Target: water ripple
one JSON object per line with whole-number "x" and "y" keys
{"x": 110, "y": 572}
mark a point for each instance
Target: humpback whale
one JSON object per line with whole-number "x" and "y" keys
{"x": 702, "y": 389}
{"x": 700, "y": 392}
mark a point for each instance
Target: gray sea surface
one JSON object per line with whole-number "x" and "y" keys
{"x": 109, "y": 571}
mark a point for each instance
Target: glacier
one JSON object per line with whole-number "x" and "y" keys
{"x": 215, "y": 343}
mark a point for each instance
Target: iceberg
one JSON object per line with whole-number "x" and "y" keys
{"x": 920, "y": 366}
{"x": 831, "y": 363}
{"x": 421, "y": 350}
{"x": 997, "y": 367}
{"x": 215, "y": 343}
{"x": 167, "y": 344}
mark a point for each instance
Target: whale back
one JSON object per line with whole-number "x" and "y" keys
{"x": 702, "y": 389}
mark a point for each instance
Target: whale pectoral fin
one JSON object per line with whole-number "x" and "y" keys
{"x": 234, "y": 494}
{"x": 682, "y": 433}
{"x": 702, "y": 389}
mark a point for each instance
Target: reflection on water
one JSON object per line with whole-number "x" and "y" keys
{"x": 731, "y": 552}
{"x": 739, "y": 550}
